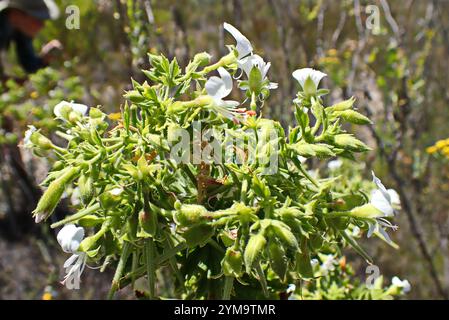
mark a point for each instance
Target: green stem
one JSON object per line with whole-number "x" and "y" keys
{"x": 304, "y": 172}
{"x": 134, "y": 265}
{"x": 151, "y": 266}
{"x": 76, "y": 216}
{"x": 262, "y": 279}
{"x": 253, "y": 104}
{"x": 229, "y": 283}
{"x": 119, "y": 271}
{"x": 158, "y": 260}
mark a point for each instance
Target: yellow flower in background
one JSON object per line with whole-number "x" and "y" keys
{"x": 115, "y": 116}
{"x": 445, "y": 151}
{"x": 441, "y": 144}
{"x": 431, "y": 150}
{"x": 47, "y": 296}
{"x": 34, "y": 95}
{"x": 332, "y": 52}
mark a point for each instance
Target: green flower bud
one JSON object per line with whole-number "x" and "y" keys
{"x": 347, "y": 141}
{"x": 201, "y": 59}
{"x": 353, "y": 117}
{"x": 96, "y": 113}
{"x": 53, "y": 194}
{"x": 147, "y": 224}
{"x": 366, "y": 211}
{"x": 289, "y": 212}
{"x": 190, "y": 214}
{"x": 111, "y": 198}
{"x": 86, "y": 187}
{"x": 41, "y": 141}
{"x": 282, "y": 231}
{"x": 322, "y": 150}
{"x": 142, "y": 165}
{"x": 134, "y": 96}
{"x": 232, "y": 263}
{"x": 254, "y": 247}
{"x": 89, "y": 242}
{"x": 303, "y": 149}
{"x": 341, "y": 106}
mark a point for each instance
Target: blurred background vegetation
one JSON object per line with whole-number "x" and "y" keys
{"x": 398, "y": 72}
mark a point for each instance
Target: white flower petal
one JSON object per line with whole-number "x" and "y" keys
{"x": 243, "y": 45}
{"x": 404, "y": 284}
{"x": 334, "y": 164}
{"x": 27, "y": 139}
{"x": 81, "y": 108}
{"x": 385, "y": 235}
{"x": 302, "y": 74}
{"x": 394, "y": 197}
{"x": 381, "y": 203}
{"x": 57, "y": 109}
{"x": 219, "y": 87}
{"x": 70, "y": 260}
{"x": 248, "y": 63}
{"x": 355, "y": 231}
{"x": 396, "y": 281}
{"x": 70, "y": 237}
{"x": 116, "y": 191}
{"x": 272, "y": 85}
{"x": 381, "y": 187}
{"x": 227, "y": 80}
{"x": 372, "y": 228}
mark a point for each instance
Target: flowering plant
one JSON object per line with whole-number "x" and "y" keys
{"x": 156, "y": 194}
{"x": 33, "y": 101}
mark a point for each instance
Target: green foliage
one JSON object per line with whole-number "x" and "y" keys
{"x": 209, "y": 222}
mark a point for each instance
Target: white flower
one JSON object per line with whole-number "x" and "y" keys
{"x": 334, "y": 164}
{"x": 355, "y": 231}
{"x": 27, "y": 139}
{"x": 243, "y": 45}
{"x": 302, "y": 74}
{"x": 218, "y": 88}
{"x": 328, "y": 264}
{"x": 75, "y": 266}
{"x": 58, "y": 110}
{"x": 69, "y": 238}
{"x": 381, "y": 200}
{"x": 116, "y": 191}
{"x": 404, "y": 284}
{"x": 302, "y": 159}
{"x": 247, "y": 64}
